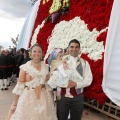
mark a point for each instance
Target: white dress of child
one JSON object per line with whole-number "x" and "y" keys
{"x": 61, "y": 76}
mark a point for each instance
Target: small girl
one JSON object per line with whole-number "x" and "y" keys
{"x": 60, "y": 73}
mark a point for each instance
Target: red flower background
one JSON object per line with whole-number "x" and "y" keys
{"x": 96, "y": 14}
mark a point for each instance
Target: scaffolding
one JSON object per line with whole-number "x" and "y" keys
{"x": 109, "y": 108}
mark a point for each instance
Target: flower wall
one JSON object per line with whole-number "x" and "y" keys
{"x": 87, "y": 21}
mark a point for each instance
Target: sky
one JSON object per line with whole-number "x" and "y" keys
{"x": 12, "y": 16}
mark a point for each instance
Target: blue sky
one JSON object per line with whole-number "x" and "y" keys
{"x": 12, "y": 17}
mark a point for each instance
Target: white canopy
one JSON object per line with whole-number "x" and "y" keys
{"x": 26, "y": 32}
{"x": 111, "y": 78}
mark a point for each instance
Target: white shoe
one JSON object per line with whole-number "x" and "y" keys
{"x": 68, "y": 95}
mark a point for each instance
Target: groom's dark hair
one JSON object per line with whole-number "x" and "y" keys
{"x": 74, "y": 41}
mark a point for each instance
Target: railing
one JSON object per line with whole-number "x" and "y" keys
{"x": 109, "y": 108}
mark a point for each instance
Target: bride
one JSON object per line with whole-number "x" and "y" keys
{"x": 33, "y": 99}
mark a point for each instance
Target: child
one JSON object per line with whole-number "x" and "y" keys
{"x": 60, "y": 69}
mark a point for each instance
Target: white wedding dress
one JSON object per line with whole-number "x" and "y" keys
{"x": 29, "y": 107}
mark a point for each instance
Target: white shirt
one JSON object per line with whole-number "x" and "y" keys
{"x": 72, "y": 62}
{"x": 87, "y": 74}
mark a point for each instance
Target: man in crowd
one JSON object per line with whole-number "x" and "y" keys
{"x": 3, "y": 70}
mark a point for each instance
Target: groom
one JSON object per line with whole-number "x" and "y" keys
{"x": 74, "y": 105}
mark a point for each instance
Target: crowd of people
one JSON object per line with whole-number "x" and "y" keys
{"x": 34, "y": 92}
{"x": 10, "y": 62}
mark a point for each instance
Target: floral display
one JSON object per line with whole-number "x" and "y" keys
{"x": 87, "y": 21}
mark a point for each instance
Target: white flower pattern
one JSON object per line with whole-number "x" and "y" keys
{"x": 65, "y": 31}
{"x": 76, "y": 28}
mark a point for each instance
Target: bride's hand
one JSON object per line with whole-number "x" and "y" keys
{"x": 13, "y": 108}
{"x": 47, "y": 77}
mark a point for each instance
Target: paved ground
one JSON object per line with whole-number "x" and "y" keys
{"x": 6, "y": 99}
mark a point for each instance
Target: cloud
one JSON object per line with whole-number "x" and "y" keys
{"x": 14, "y": 8}
{"x": 6, "y": 44}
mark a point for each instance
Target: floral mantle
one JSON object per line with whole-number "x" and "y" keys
{"x": 87, "y": 21}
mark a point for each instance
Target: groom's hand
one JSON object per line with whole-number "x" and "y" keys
{"x": 71, "y": 84}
